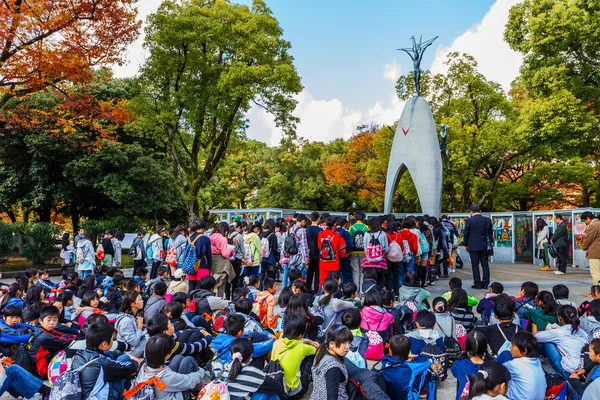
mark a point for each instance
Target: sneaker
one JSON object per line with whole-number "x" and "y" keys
{"x": 559, "y": 272}
{"x": 546, "y": 268}
{"x": 432, "y": 283}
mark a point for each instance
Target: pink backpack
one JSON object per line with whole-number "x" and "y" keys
{"x": 374, "y": 251}
{"x": 375, "y": 347}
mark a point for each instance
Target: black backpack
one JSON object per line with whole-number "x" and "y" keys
{"x": 289, "y": 244}
{"x": 439, "y": 360}
{"x": 451, "y": 346}
{"x": 326, "y": 252}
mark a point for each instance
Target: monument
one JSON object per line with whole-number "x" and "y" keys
{"x": 416, "y": 147}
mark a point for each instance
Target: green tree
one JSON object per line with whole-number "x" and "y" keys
{"x": 209, "y": 61}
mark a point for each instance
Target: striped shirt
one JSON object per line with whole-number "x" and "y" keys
{"x": 246, "y": 383}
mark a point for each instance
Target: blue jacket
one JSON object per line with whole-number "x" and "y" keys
{"x": 15, "y": 301}
{"x": 12, "y": 335}
{"x": 463, "y": 370}
{"x": 203, "y": 250}
{"x": 486, "y": 307}
{"x": 400, "y": 375}
{"x": 222, "y": 345}
{"x": 347, "y": 238}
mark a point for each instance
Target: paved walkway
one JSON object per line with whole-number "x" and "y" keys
{"x": 511, "y": 276}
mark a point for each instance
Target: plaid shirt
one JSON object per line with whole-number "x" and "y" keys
{"x": 302, "y": 242}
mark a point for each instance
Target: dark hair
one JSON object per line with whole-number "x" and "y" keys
{"x": 374, "y": 225}
{"x": 490, "y": 375}
{"x": 294, "y": 326}
{"x": 497, "y": 287}
{"x": 98, "y": 333}
{"x": 24, "y": 282}
{"x": 88, "y": 296}
{"x": 31, "y": 272}
{"x": 299, "y": 284}
{"x": 335, "y": 274}
{"x": 180, "y": 297}
{"x": 96, "y": 318}
{"x": 141, "y": 271}
{"x": 370, "y": 273}
{"x": 284, "y": 297}
{"x": 336, "y": 334}
{"x": 253, "y": 280}
{"x": 549, "y": 305}
{"x": 294, "y": 275}
{"x": 178, "y": 229}
{"x": 526, "y": 343}
{"x": 400, "y": 346}
{"x": 458, "y": 299}
{"x": 476, "y": 345}
{"x": 540, "y": 223}
{"x": 475, "y": 208}
{"x": 157, "y": 349}
{"x": 207, "y": 283}
{"x": 569, "y": 315}
{"x": 455, "y": 283}
{"x": 504, "y": 310}
{"x": 373, "y": 298}
{"x": 161, "y": 270}
{"x": 314, "y": 216}
{"x": 426, "y": 319}
{"x": 594, "y": 308}
{"x": 120, "y": 235}
{"x": 243, "y": 305}
{"x": 411, "y": 279}
{"x": 349, "y": 289}
{"x": 387, "y": 297}
{"x": 12, "y": 311}
{"x": 32, "y": 298}
{"x": 268, "y": 284}
{"x": 595, "y": 289}
{"x": 132, "y": 285}
{"x": 297, "y": 305}
{"x": 49, "y": 311}
{"x": 359, "y": 215}
{"x": 13, "y": 289}
{"x": 595, "y": 345}
{"x": 234, "y": 325}
{"x": 439, "y": 305}
{"x": 587, "y": 214}
{"x": 65, "y": 241}
{"x": 330, "y": 222}
{"x": 330, "y": 286}
{"x": 89, "y": 283}
{"x": 157, "y": 324}
{"x": 160, "y": 288}
{"x": 176, "y": 309}
{"x": 118, "y": 280}
{"x": 245, "y": 348}
{"x": 559, "y": 216}
{"x": 352, "y": 318}
{"x": 560, "y": 291}
{"x": 128, "y": 299}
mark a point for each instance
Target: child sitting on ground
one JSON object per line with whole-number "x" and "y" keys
{"x": 45, "y": 282}
{"x": 456, "y": 283}
{"x": 424, "y": 334}
{"x": 545, "y": 314}
{"x": 397, "y": 372}
{"x": 252, "y": 285}
{"x": 350, "y": 294}
{"x": 141, "y": 274}
{"x": 591, "y": 323}
{"x": 460, "y": 310}
{"x": 595, "y": 294}
{"x": 561, "y": 295}
{"x": 252, "y": 326}
{"x": 528, "y": 380}
{"x": 369, "y": 280}
{"x": 526, "y": 301}
{"x": 13, "y": 331}
{"x": 581, "y": 378}
{"x": 486, "y": 306}
{"x": 411, "y": 293}
{"x": 156, "y": 303}
{"x": 490, "y": 382}
{"x": 498, "y": 335}
{"x": 476, "y": 352}
{"x": 352, "y": 320}
{"x": 265, "y": 303}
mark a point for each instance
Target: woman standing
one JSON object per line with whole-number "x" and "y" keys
{"x": 86, "y": 256}
{"x": 118, "y": 246}
{"x": 542, "y": 234}
{"x": 203, "y": 252}
{"x": 236, "y": 239}
{"x": 376, "y": 246}
{"x": 67, "y": 251}
{"x": 269, "y": 263}
{"x": 177, "y": 242}
{"x": 221, "y": 268}
{"x": 425, "y": 257}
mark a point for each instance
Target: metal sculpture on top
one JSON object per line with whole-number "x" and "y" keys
{"x": 444, "y": 145}
{"x": 416, "y": 54}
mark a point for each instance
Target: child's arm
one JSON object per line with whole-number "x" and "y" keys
{"x": 183, "y": 383}
{"x": 116, "y": 370}
{"x": 189, "y": 349}
{"x": 271, "y": 303}
{"x": 262, "y": 348}
{"x": 551, "y": 336}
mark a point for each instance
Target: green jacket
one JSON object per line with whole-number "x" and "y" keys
{"x": 472, "y": 300}
{"x": 560, "y": 238}
{"x": 540, "y": 319}
{"x": 290, "y": 353}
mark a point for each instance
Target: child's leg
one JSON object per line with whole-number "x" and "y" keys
{"x": 19, "y": 382}
{"x": 286, "y": 273}
{"x": 183, "y": 365}
{"x": 550, "y": 350}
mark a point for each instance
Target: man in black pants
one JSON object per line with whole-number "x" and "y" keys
{"x": 312, "y": 233}
{"x": 560, "y": 241}
{"x": 478, "y": 231}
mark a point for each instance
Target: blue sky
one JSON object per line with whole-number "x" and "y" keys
{"x": 345, "y": 52}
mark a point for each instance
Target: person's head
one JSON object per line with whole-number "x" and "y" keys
{"x": 400, "y": 347}
{"x": 540, "y": 224}
{"x": 120, "y": 235}
{"x": 476, "y": 344}
{"x": 207, "y": 283}
{"x": 99, "y": 335}
{"x": 360, "y": 216}
{"x": 524, "y": 344}
{"x": 373, "y": 298}
{"x": 337, "y": 343}
{"x": 256, "y": 227}
{"x": 254, "y": 280}
{"x": 302, "y": 220}
{"x": 96, "y": 318}
{"x": 132, "y": 286}
{"x": 12, "y": 315}
{"x": 90, "y": 237}
{"x": 491, "y": 379}
{"x": 269, "y": 285}
{"x": 160, "y": 323}
{"x": 496, "y": 287}
{"x": 425, "y": 319}
{"x": 340, "y": 222}
{"x": 475, "y": 209}
{"x": 529, "y": 290}
{"x": 411, "y": 279}
{"x": 374, "y": 225}
{"x": 297, "y": 305}
{"x": 234, "y": 325}
{"x": 330, "y": 286}
{"x": 315, "y": 217}
{"x": 160, "y": 288}
{"x": 560, "y": 292}
{"x": 160, "y": 230}
{"x": 330, "y": 222}
{"x": 504, "y": 310}
{"x": 351, "y": 318}
{"x": 49, "y": 317}
{"x": 90, "y": 299}
{"x": 558, "y": 218}
{"x": 567, "y": 315}
{"x": 546, "y": 302}
{"x": 294, "y": 327}
{"x": 241, "y": 354}
{"x": 349, "y": 290}
{"x": 142, "y": 272}
{"x": 132, "y": 303}
{"x": 24, "y": 282}
{"x": 387, "y": 297}
{"x": 294, "y": 275}
{"x": 44, "y": 274}
{"x": 594, "y": 308}
{"x": 108, "y": 233}
{"x": 158, "y": 350}
{"x": 179, "y": 230}
{"x": 182, "y": 298}
{"x": 370, "y": 273}
{"x": 80, "y": 231}
{"x": 587, "y": 217}
{"x": 239, "y": 293}
{"x": 32, "y": 274}
{"x": 284, "y": 297}
{"x": 458, "y": 299}
{"x": 243, "y": 305}
{"x": 173, "y": 310}
{"x": 595, "y": 291}
{"x": 594, "y": 351}
{"x": 34, "y": 297}
{"x": 118, "y": 280}
{"x": 141, "y": 233}
{"x": 335, "y": 275}
{"x": 455, "y": 283}
{"x": 439, "y": 305}
{"x": 15, "y": 290}
{"x": 162, "y": 272}
{"x": 299, "y": 286}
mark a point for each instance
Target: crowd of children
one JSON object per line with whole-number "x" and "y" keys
{"x": 221, "y": 324}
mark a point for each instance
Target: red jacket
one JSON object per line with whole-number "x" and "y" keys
{"x": 405, "y": 234}
{"x": 336, "y": 242}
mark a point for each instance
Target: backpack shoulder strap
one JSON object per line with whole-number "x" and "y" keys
{"x": 86, "y": 364}
{"x": 195, "y": 240}
{"x": 501, "y": 332}
{"x": 441, "y": 329}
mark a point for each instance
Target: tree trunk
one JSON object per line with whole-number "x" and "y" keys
{"x": 11, "y": 215}
{"x": 585, "y": 196}
{"x": 193, "y": 207}
{"x": 74, "y": 216}
{"x": 45, "y": 213}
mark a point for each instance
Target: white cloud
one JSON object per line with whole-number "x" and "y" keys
{"x": 485, "y": 41}
{"x": 391, "y": 71}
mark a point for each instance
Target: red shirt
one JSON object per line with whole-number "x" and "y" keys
{"x": 411, "y": 238}
{"x": 336, "y": 242}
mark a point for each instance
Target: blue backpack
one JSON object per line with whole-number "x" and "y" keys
{"x": 149, "y": 252}
{"x": 189, "y": 258}
{"x": 423, "y": 244}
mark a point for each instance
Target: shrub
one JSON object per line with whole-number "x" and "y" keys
{"x": 7, "y": 240}
{"x": 39, "y": 241}
{"x": 126, "y": 262}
